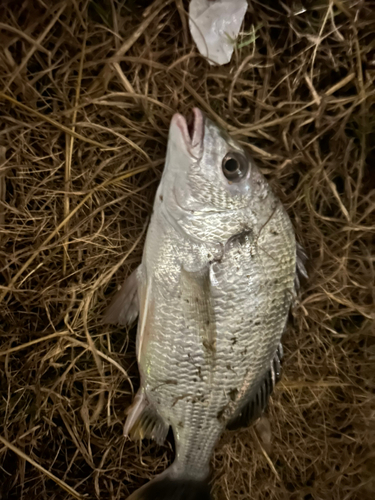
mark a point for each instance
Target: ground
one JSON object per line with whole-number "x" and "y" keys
{"x": 86, "y": 96}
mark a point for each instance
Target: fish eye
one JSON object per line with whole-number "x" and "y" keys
{"x": 235, "y": 166}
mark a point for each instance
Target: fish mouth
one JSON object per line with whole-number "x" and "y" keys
{"x": 191, "y": 128}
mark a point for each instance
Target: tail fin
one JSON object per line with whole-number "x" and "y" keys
{"x": 167, "y": 488}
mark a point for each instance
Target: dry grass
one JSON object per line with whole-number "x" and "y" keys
{"x": 87, "y": 93}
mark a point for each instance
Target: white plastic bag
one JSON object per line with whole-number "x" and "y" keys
{"x": 214, "y": 26}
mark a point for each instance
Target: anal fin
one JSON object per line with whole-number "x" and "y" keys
{"x": 144, "y": 422}
{"x": 254, "y": 407}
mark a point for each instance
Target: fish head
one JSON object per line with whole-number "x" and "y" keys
{"x": 207, "y": 172}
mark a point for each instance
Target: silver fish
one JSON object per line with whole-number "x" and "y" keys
{"x": 213, "y": 291}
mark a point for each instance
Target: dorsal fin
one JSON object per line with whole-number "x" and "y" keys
{"x": 301, "y": 272}
{"x": 258, "y": 399}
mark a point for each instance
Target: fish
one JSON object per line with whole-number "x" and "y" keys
{"x": 212, "y": 294}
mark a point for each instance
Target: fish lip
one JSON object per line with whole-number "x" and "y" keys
{"x": 194, "y": 140}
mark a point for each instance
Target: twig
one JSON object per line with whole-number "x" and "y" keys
{"x": 69, "y": 153}
{"x": 65, "y": 220}
{"x": 56, "y": 124}
{"x": 49, "y": 474}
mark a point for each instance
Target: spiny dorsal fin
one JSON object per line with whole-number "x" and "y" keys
{"x": 257, "y": 403}
{"x": 301, "y": 272}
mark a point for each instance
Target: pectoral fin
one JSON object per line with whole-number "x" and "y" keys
{"x": 198, "y": 308}
{"x": 124, "y": 307}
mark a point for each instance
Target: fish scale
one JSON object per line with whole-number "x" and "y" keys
{"x": 185, "y": 410}
{"x": 214, "y": 290}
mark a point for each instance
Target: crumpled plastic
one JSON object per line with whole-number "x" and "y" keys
{"x": 214, "y": 26}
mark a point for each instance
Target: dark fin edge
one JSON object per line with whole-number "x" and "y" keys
{"x": 254, "y": 408}
{"x": 167, "y": 488}
{"x": 149, "y": 425}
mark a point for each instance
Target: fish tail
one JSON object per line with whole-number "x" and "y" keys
{"x": 166, "y": 487}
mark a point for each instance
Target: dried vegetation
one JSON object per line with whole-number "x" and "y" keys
{"x": 87, "y": 92}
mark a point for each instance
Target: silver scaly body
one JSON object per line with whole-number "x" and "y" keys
{"x": 213, "y": 290}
